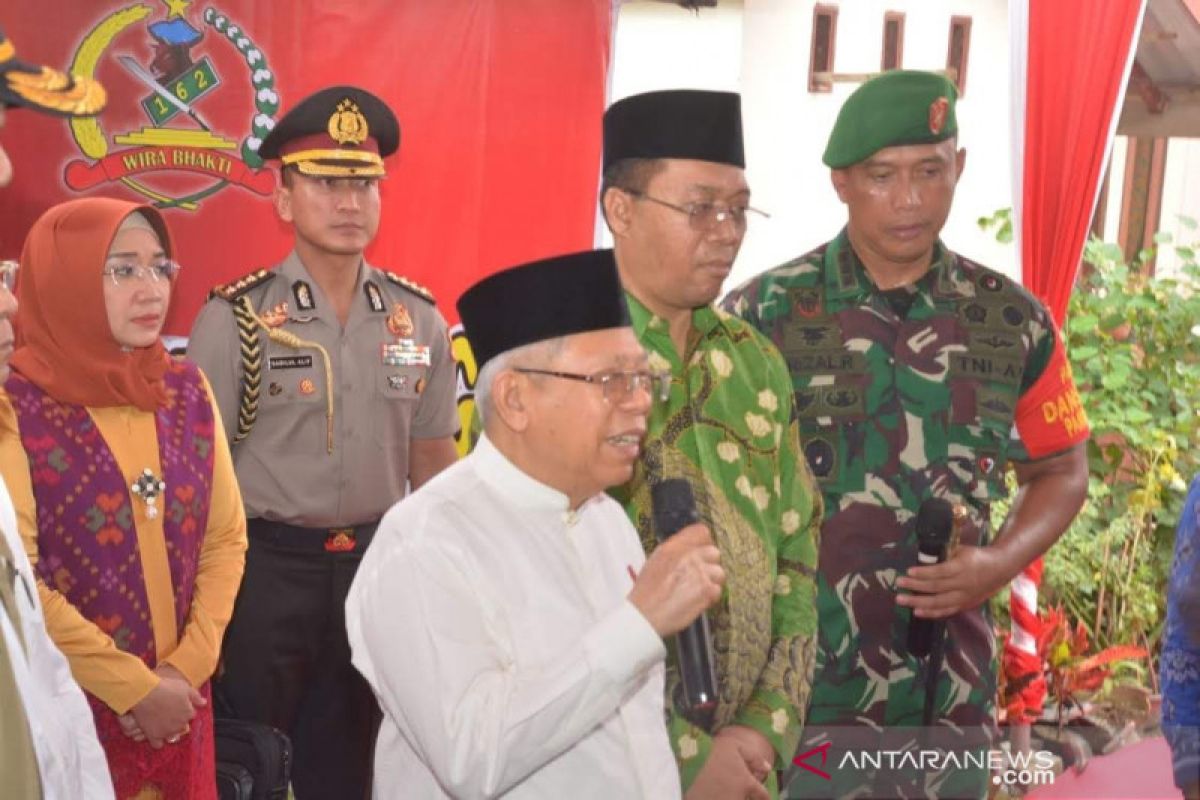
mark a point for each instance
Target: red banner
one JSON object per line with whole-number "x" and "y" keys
{"x": 499, "y": 101}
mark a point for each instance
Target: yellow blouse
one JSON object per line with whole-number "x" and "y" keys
{"x": 118, "y": 678}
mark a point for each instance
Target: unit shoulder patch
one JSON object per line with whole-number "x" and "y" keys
{"x": 412, "y": 286}
{"x": 234, "y": 289}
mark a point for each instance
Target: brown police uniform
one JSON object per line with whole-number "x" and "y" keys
{"x": 321, "y": 416}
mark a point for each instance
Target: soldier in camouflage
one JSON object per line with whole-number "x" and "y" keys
{"x": 917, "y": 373}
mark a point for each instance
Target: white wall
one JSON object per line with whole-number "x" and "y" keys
{"x": 761, "y": 47}
{"x": 1181, "y": 196}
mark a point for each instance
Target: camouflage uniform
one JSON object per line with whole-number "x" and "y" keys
{"x": 896, "y": 407}
{"x": 729, "y": 428}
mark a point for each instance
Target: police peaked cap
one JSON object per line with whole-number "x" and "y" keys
{"x": 342, "y": 131}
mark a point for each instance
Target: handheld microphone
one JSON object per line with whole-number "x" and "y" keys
{"x": 675, "y": 508}
{"x": 935, "y": 521}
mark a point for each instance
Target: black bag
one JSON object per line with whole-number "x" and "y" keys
{"x": 261, "y": 752}
{"x": 234, "y": 782}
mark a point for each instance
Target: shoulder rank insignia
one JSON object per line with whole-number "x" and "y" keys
{"x": 235, "y": 289}
{"x": 414, "y": 287}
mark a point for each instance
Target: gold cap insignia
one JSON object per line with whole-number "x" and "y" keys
{"x": 347, "y": 125}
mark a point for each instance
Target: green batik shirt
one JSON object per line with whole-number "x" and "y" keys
{"x": 902, "y": 395}
{"x": 729, "y": 428}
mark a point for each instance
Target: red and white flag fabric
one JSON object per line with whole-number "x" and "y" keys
{"x": 1070, "y": 64}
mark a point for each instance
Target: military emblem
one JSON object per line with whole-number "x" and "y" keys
{"x": 815, "y": 334}
{"x": 303, "y": 294}
{"x": 307, "y": 386}
{"x": 399, "y": 323}
{"x": 976, "y": 313}
{"x": 807, "y": 302}
{"x": 397, "y": 382}
{"x": 986, "y": 464}
{"x": 938, "y": 111}
{"x": 420, "y": 387}
{"x": 842, "y": 398}
{"x": 347, "y": 125}
{"x": 374, "y": 296}
{"x": 274, "y": 389}
{"x": 820, "y": 456}
{"x": 990, "y": 283}
{"x": 187, "y": 154}
{"x": 1013, "y": 315}
{"x": 996, "y": 341}
{"x": 275, "y": 317}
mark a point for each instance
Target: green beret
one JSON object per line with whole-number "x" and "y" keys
{"x": 896, "y": 108}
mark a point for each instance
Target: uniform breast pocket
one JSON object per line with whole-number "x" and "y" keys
{"x": 398, "y": 391}
{"x": 977, "y": 457}
{"x": 291, "y": 416}
{"x": 833, "y": 428}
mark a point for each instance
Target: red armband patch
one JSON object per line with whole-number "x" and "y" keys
{"x": 1050, "y": 416}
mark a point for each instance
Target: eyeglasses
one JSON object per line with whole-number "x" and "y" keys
{"x": 8, "y": 274}
{"x": 617, "y": 386}
{"x": 704, "y": 217}
{"x": 124, "y": 273}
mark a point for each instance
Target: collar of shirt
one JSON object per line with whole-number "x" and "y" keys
{"x": 292, "y": 269}
{"x": 847, "y": 278}
{"x": 519, "y": 488}
{"x": 651, "y": 329}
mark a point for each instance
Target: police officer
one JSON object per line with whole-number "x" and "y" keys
{"x": 918, "y": 373}
{"x": 338, "y": 389}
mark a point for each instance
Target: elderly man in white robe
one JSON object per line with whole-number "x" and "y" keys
{"x": 506, "y": 615}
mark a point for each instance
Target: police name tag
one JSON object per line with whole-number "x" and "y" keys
{"x": 406, "y": 353}
{"x": 289, "y": 362}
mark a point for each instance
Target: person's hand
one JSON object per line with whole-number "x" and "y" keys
{"x": 130, "y": 728}
{"x": 164, "y": 714}
{"x": 963, "y": 581}
{"x": 754, "y": 747}
{"x": 725, "y": 775}
{"x": 680, "y": 579}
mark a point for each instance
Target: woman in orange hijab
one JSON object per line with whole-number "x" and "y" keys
{"x": 125, "y": 495}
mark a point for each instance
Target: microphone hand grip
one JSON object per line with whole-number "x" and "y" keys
{"x": 674, "y": 508}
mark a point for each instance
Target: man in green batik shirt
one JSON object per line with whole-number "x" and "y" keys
{"x": 676, "y": 199}
{"x": 918, "y": 374}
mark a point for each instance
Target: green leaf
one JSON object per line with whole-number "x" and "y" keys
{"x": 1163, "y": 237}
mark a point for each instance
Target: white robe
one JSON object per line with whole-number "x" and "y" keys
{"x": 70, "y": 760}
{"x": 492, "y": 623}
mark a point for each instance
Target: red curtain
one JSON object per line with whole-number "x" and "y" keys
{"x": 499, "y": 101}
{"x": 1078, "y": 60}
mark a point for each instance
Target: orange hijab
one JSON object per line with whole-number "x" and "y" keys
{"x": 65, "y": 345}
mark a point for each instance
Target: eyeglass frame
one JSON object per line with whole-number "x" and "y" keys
{"x": 692, "y": 211}
{"x": 151, "y": 272}
{"x": 603, "y": 379}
